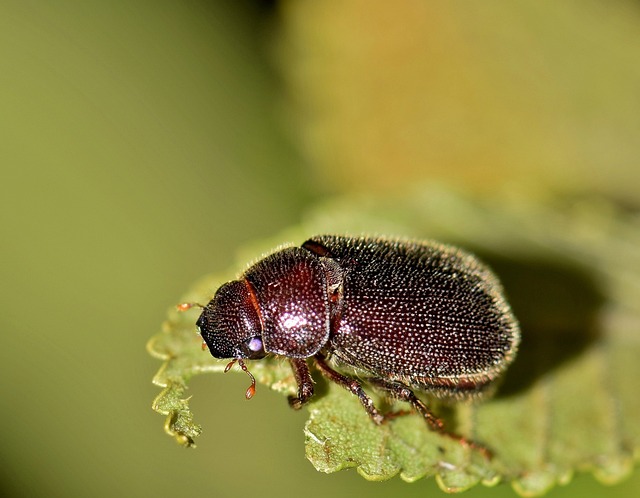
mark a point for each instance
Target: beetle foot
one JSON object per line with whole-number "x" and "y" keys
{"x": 295, "y": 402}
{"x": 483, "y": 450}
{"x": 377, "y": 417}
{"x": 304, "y": 381}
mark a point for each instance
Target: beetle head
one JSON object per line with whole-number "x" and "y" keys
{"x": 230, "y": 323}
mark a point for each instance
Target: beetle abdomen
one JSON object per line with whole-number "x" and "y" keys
{"x": 425, "y": 314}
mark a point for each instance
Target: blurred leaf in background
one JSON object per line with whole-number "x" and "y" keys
{"x": 138, "y": 147}
{"x": 483, "y": 95}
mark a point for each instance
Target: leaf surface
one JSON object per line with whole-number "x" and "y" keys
{"x": 568, "y": 403}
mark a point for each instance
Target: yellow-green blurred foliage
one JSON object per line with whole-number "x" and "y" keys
{"x": 140, "y": 144}
{"x": 484, "y": 94}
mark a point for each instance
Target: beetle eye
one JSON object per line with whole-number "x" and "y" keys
{"x": 255, "y": 344}
{"x": 253, "y": 348}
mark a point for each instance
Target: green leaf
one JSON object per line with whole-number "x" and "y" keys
{"x": 568, "y": 403}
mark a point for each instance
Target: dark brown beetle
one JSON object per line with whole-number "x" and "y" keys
{"x": 404, "y": 315}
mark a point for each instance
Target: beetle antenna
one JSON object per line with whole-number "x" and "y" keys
{"x": 252, "y": 388}
{"x": 188, "y": 306}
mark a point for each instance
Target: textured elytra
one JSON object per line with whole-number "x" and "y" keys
{"x": 429, "y": 315}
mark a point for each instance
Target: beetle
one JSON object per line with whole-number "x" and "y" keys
{"x": 405, "y": 315}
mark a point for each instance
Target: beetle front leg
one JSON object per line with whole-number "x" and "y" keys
{"x": 351, "y": 385}
{"x": 303, "y": 379}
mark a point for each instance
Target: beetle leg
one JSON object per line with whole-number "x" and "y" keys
{"x": 350, "y": 385}
{"x": 304, "y": 381}
{"x": 403, "y": 393}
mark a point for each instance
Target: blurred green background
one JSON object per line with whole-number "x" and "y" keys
{"x": 142, "y": 143}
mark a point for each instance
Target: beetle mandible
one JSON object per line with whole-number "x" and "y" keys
{"x": 405, "y": 315}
